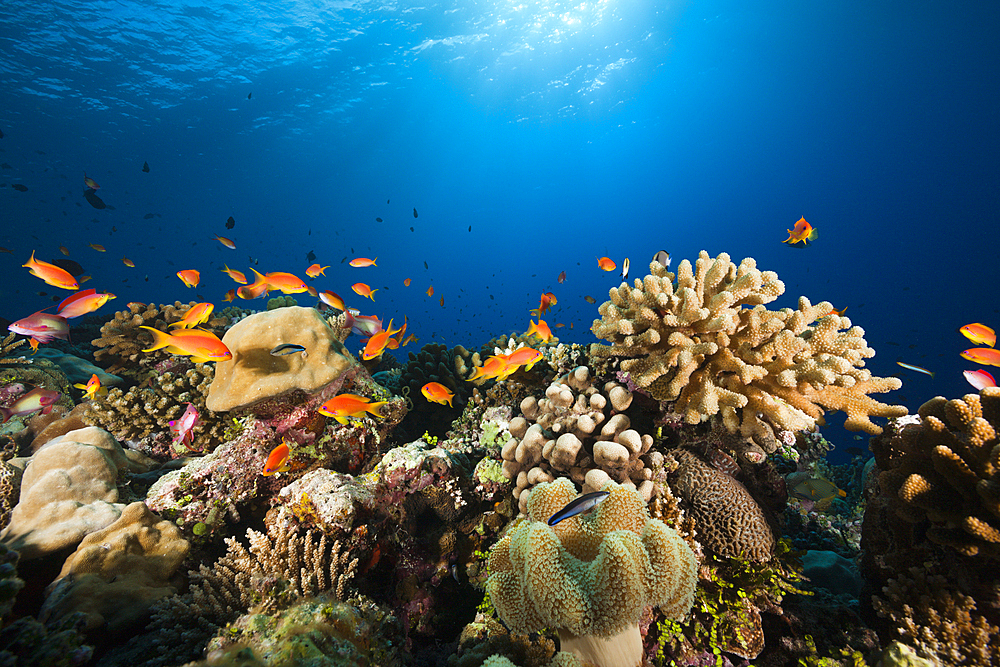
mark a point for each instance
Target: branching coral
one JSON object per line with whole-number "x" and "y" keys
{"x": 707, "y": 342}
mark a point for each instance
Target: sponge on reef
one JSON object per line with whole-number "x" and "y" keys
{"x": 704, "y": 339}
{"x": 591, "y": 576}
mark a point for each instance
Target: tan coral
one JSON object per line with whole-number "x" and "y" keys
{"x": 254, "y": 374}
{"x": 591, "y": 576}
{"x": 707, "y": 342}
{"x": 945, "y": 469}
{"x": 118, "y": 571}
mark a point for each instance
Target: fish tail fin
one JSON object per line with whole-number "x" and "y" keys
{"x": 373, "y": 408}
{"x": 160, "y": 339}
{"x": 532, "y": 328}
{"x": 813, "y": 234}
{"x": 5, "y": 414}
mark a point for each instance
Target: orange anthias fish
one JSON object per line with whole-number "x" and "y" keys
{"x": 82, "y": 303}
{"x": 189, "y": 277}
{"x": 230, "y": 295}
{"x": 801, "y": 233}
{"x": 493, "y": 367}
{"x": 286, "y": 282}
{"x": 363, "y": 290}
{"x": 548, "y": 300}
{"x": 51, "y": 274}
{"x": 523, "y": 356}
{"x": 195, "y": 315}
{"x": 359, "y": 262}
{"x": 238, "y": 276}
{"x": 987, "y": 356}
{"x": 277, "y": 460}
{"x": 980, "y": 379}
{"x": 406, "y": 282}
{"x": 97, "y": 246}
{"x": 128, "y": 262}
{"x": 350, "y": 405}
{"x": 430, "y": 291}
{"x": 201, "y": 346}
{"x": 316, "y": 270}
{"x": 224, "y": 241}
{"x": 606, "y": 264}
{"x": 376, "y": 344}
{"x": 92, "y": 388}
{"x": 41, "y": 326}
{"x": 980, "y": 334}
{"x": 541, "y": 330}
{"x": 90, "y": 183}
{"x": 332, "y": 299}
{"x": 437, "y": 393}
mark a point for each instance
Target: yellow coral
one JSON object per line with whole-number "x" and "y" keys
{"x": 590, "y": 577}
{"x": 708, "y": 343}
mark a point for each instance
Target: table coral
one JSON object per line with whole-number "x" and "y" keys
{"x": 68, "y": 490}
{"x": 592, "y": 576}
{"x": 254, "y": 374}
{"x": 118, "y": 571}
{"x": 707, "y": 342}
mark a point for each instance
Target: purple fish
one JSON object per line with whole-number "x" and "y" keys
{"x": 181, "y": 428}
{"x": 35, "y": 400}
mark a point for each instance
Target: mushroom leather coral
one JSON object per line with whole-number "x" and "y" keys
{"x": 254, "y": 374}
{"x": 591, "y": 576}
{"x": 708, "y": 343}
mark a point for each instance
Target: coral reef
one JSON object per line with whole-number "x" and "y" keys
{"x": 591, "y": 577}
{"x": 69, "y": 490}
{"x": 708, "y": 343}
{"x": 117, "y": 572}
{"x": 147, "y": 409}
{"x": 434, "y": 363}
{"x": 729, "y": 521}
{"x": 579, "y": 431}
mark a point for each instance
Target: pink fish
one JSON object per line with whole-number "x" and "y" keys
{"x": 980, "y": 379}
{"x": 181, "y": 428}
{"x": 362, "y": 325}
{"x": 43, "y": 327}
{"x": 35, "y": 400}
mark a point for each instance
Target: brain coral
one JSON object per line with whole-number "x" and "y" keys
{"x": 707, "y": 342}
{"x": 591, "y": 576}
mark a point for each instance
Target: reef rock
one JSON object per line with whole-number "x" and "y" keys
{"x": 254, "y": 374}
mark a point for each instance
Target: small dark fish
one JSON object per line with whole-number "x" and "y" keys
{"x": 6, "y": 166}
{"x": 145, "y": 167}
{"x": 310, "y": 256}
{"x": 470, "y": 228}
{"x": 230, "y": 223}
{"x": 148, "y": 216}
{"x": 69, "y": 265}
{"x": 579, "y": 505}
{"x": 19, "y": 187}
{"x": 663, "y": 257}
{"x": 855, "y": 451}
{"x": 425, "y": 265}
{"x": 42, "y": 293}
{"x": 562, "y": 277}
{"x": 454, "y": 573}
{"x": 249, "y": 95}
{"x": 287, "y": 348}
{"x": 94, "y": 200}
{"x": 378, "y": 219}
{"x": 411, "y": 229}
{"x": 589, "y": 299}
{"x": 1, "y": 134}
{"x": 414, "y": 213}
{"x": 625, "y": 269}
{"x": 343, "y": 260}
{"x": 491, "y": 298}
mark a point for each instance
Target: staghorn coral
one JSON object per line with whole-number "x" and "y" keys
{"x": 579, "y": 430}
{"x": 708, "y": 343}
{"x": 592, "y": 576}
{"x": 7, "y": 346}
{"x": 148, "y": 409}
{"x": 729, "y": 521}
{"x": 945, "y": 471}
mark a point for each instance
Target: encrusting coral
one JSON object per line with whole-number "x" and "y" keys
{"x": 592, "y": 576}
{"x": 708, "y": 343}
{"x": 118, "y": 571}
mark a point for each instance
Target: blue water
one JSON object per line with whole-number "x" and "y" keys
{"x": 559, "y": 131}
